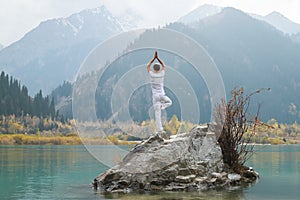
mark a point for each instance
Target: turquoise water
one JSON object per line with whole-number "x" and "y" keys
{"x": 66, "y": 172}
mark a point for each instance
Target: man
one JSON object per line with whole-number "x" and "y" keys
{"x": 160, "y": 100}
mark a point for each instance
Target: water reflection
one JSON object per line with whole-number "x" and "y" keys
{"x": 279, "y": 168}
{"x": 212, "y": 195}
{"x": 32, "y": 172}
{"x": 277, "y": 160}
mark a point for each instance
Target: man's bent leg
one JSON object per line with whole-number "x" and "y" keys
{"x": 166, "y": 102}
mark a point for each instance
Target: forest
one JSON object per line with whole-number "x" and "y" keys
{"x": 16, "y": 100}
{"x": 22, "y": 114}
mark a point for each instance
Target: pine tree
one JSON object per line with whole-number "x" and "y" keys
{"x": 15, "y": 99}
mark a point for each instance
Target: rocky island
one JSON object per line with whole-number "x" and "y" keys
{"x": 186, "y": 162}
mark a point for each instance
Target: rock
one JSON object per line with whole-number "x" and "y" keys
{"x": 219, "y": 175}
{"x": 184, "y": 171}
{"x": 185, "y": 179}
{"x": 250, "y": 175}
{"x": 200, "y": 179}
{"x": 234, "y": 177}
{"x": 189, "y": 161}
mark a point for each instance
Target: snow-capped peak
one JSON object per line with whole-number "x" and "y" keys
{"x": 199, "y": 13}
{"x": 99, "y": 10}
{"x": 130, "y": 19}
{"x": 89, "y": 19}
{"x": 276, "y": 14}
{"x": 57, "y": 41}
{"x": 280, "y": 22}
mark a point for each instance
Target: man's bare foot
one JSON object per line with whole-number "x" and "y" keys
{"x": 163, "y": 134}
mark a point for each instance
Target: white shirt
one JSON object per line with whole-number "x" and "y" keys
{"x": 157, "y": 82}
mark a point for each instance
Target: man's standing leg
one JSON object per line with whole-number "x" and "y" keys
{"x": 157, "y": 111}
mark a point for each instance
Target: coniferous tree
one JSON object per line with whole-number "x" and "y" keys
{"x": 15, "y": 100}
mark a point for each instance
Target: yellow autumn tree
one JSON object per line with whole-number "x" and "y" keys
{"x": 172, "y": 126}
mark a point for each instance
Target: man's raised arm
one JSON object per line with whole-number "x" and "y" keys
{"x": 151, "y": 61}
{"x": 161, "y": 62}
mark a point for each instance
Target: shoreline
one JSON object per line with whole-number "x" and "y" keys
{"x": 21, "y": 139}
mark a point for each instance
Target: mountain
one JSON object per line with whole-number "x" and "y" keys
{"x": 252, "y": 54}
{"x": 199, "y": 13}
{"x": 54, "y": 50}
{"x": 62, "y": 96}
{"x": 248, "y": 52}
{"x": 1, "y": 47}
{"x": 295, "y": 37}
{"x": 130, "y": 19}
{"x": 280, "y": 22}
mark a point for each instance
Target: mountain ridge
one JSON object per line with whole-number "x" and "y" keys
{"x": 52, "y": 44}
{"x": 276, "y": 19}
{"x": 280, "y": 22}
{"x": 249, "y": 53}
{"x": 199, "y": 13}
{"x": 253, "y": 54}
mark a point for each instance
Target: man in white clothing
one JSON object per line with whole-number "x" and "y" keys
{"x": 159, "y": 98}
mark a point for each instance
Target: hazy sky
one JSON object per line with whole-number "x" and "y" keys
{"x": 17, "y": 17}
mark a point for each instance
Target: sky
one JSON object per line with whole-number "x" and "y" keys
{"x": 17, "y": 17}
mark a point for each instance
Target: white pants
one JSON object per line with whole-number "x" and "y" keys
{"x": 160, "y": 102}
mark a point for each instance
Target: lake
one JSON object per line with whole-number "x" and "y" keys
{"x": 66, "y": 172}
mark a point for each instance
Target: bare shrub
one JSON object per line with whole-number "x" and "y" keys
{"x": 235, "y": 127}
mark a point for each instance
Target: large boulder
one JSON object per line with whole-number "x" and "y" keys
{"x": 189, "y": 161}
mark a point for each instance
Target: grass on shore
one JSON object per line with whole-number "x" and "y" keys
{"x": 74, "y": 139}
{"x": 22, "y": 139}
